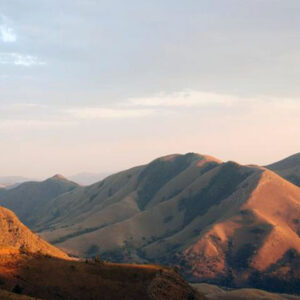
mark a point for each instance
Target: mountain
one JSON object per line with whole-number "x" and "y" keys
{"x": 27, "y": 198}
{"x": 88, "y": 178}
{"x": 11, "y": 181}
{"x": 288, "y": 168}
{"x": 219, "y": 222}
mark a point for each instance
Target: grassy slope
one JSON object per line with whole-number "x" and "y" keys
{"x": 50, "y": 278}
{"x": 5, "y": 295}
{"x": 216, "y": 293}
{"x": 27, "y": 199}
{"x": 31, "y": 266}
{"x": 288, "y": 168}
{"x": 16, "y": 237}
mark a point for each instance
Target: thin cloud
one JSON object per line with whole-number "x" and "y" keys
{"x": 200, "y": 99}
{"x": 34, "y": 124}
{"x": 18, "y": 59}
{"x": 90, "y": 113}
{"x": 186, "y": 98}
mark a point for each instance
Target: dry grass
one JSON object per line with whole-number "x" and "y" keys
{"x": 57, "y": 279}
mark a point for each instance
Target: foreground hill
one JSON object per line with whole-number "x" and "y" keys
{"x": 32, "y": 267}
{"x": 288, "y": 168}
{"x": 219, "y": 222}
{"x": 27, "y": 198}
{"x": 6, "y": 295}
{"x": 15, "y": 238}
{"x": 216, "y": 293}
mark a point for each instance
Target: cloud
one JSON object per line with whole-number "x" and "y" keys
{"x": 200, "y": 99}
{"x": 7, "y": 35}
{"x": 186, "y": 98}
{"x": 19, "y": 60}
{"x": 88, "y": 113}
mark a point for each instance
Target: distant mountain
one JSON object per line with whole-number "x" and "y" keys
{"x": 11, "y": 181}
{"x": 220, "y": 222}
{"x": 88, "y": 178}
{"x": 29, "y": 197}
{"x": 288, "y": 168}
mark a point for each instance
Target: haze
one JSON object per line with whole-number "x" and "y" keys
{"x": 100, "y": 86}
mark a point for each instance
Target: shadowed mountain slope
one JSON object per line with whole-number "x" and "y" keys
{"x": 28, "y": 198}
{"x": 288, "y": 168}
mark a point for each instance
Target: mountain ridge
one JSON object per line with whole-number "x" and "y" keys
{"x": 219, "y": 222}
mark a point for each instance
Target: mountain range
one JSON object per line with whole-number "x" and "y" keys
{"x": 219, "y": 222}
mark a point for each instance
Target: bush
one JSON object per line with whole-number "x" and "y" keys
{"x": 17, "y": 289}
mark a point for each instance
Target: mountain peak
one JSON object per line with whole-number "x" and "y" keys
{"x": 59, "y": 177}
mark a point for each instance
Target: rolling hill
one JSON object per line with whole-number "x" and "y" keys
{"x": 219, "y": 222}
{"x": 27, "y": 198}
{"x": 32, "y": 267}
{"x": 288, "y": 168}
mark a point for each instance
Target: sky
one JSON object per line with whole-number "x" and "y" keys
{"x": 101, "y": 86}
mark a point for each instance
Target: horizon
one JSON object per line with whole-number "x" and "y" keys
{"x": 107, "y": 173}
{"x": 95, "y": 86}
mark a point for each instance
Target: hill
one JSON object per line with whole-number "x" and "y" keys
{"x": 216, "y": 293}
{"x": 219, "y": 222}
{"x": 288, "y": 168}
{"x": 15, "y": 238}
{"x": 29, "y": 197}
{"x": 32, "y": 267}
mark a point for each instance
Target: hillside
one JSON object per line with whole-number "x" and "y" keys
{"x": 29, "y": 197}
{"x": 216, "y": 293}
{"x": 219, "y": 222}
{"x": 288, "y": 168}
{"x": 16, "y": 238}
{"x": 32, "y": 267}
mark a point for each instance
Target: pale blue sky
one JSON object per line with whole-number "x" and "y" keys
{"x": 90, "y": 85}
